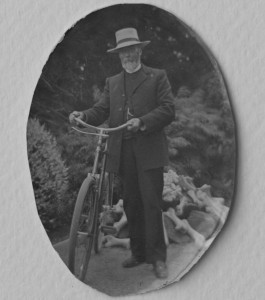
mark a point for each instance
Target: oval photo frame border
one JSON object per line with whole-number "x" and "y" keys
{"x": 217, "y": 69}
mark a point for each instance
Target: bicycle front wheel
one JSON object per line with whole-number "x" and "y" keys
{"x": 83, "y": 229}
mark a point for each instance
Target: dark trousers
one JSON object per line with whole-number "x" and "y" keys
{"x": 142, "y": 204}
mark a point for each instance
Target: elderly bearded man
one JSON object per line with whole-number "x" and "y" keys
{"x": 142, "y": 97}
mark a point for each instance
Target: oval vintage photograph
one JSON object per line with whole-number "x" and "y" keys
{"x": 132, "y": 149}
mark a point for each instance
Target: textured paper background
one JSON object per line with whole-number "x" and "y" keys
{"x": 234, "y": 267}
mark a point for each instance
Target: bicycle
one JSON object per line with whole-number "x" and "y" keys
{"x": 85, "y": 221}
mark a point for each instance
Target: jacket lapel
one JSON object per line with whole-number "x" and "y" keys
{"x": 140, "y": 79}
{"x": 120, "y": 83}
{"x": 118, "y": 91}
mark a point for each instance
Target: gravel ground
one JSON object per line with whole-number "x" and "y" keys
{"x": 106, "y": 274}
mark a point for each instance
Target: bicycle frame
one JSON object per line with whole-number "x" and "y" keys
{"x": 102, "y": 133}
{"x": 103, "y": 167}
{"x": 92, "y": 187}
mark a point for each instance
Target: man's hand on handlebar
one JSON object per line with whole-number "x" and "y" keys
{"x": 76, "y": 114}
{"x": 135, "y": 124}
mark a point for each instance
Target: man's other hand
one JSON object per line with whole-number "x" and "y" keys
{"x": 76, "y": 114}
{"x": 134, "y": 124}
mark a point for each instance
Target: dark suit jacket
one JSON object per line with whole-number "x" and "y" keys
{"x": 152, "y": 102}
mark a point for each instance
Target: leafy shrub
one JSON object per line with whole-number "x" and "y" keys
{"x": 183, "y": 92}
{"x": 202, "y": 138}
{"x": 48, "y": 173}
{"x": 78, "y": 152}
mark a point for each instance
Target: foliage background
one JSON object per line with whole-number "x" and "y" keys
{"x": 201, "y": 139}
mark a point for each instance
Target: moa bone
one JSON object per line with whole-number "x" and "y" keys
{"x": 184, "y": 226}
{"x": 112, "y": 241}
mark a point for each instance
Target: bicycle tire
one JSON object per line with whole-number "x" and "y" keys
{"x": 82, "y": 230}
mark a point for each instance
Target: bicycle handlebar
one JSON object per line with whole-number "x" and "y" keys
{"x": 101, "y": 129}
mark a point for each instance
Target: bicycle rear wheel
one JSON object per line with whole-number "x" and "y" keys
{"x": 83, "y": 229}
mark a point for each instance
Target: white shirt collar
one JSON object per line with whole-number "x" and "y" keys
{"x": 135, "y": 70}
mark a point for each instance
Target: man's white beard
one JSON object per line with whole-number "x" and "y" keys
{"x": 130, "y": 66}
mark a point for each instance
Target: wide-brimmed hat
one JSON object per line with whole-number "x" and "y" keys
{"x": 127, "y": 37}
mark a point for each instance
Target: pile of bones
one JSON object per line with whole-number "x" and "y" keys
{"x": 190, "y": 214}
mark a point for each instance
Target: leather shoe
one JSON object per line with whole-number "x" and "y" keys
{"x": 160, "y": 269}
{"x": 132, "y": 262}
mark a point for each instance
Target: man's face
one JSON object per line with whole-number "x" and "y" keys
{"x": 130, "y": 57}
